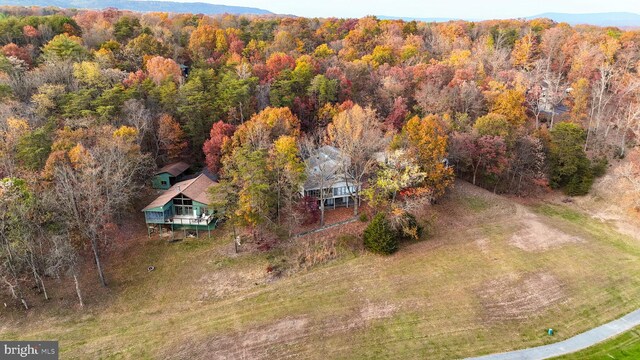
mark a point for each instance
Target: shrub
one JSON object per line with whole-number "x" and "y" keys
{"x": 277, "y": 265}
{"x": 407, "y": 227}
{"x": 379, "y": 236}
{"x": 363, "y": 217}
{"x": 599, "y": 167}
{"x": 580, "y": 183}
{"x": 308, "y": 207}
{"x": 570, "y": 168}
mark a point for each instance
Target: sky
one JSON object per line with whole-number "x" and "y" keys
{"x": 463, "y": 9}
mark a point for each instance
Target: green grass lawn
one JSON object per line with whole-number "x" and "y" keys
{"x": 492, "y": 278}
{"x": 625, "y": 346}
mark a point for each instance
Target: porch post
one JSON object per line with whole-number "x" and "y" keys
{"x": 209, "y": 229}
{"x": 148, "y": 231}
{"x": 171, "y": 231}
{"x": 160, "y": 226}
{"x": 197, "y": 233}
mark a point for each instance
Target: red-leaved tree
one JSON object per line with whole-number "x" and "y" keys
{"x": 484, "y": 156}
{"x": 220, "y": 133}
{"x": 398, "y": 114}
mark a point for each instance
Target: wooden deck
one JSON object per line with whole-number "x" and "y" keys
{"x": 190, "y": 220}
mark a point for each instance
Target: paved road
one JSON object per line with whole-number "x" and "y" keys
{"x": 573, "y": 344}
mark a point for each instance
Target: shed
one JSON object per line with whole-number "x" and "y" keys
{"x": 169, "y": 175}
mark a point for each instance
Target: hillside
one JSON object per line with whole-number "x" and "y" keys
{"x": 143, "y": 6}
{"x": 495, "y": 274}
{"x": 616, "y": 196}
{"x": 331, "y": 142}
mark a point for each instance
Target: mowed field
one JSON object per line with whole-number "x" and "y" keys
{"x": 493, "y": 276}
{"x": 624, "y": 346}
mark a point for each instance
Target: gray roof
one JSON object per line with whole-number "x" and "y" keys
{"x": 327, "y": 163}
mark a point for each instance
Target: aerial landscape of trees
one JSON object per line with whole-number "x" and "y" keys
{"x": 92, "y": 102}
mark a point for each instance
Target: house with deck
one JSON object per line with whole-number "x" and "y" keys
{"x": 326, "y": 179}
{"x": 168, "y": 175}
{"x": 184, "y": 206}
{"x": 552, "y": 102}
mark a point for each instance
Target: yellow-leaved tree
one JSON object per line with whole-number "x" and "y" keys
{"x": 510, "y": 104}
{"x": 357, "y": 134}
{"x": 426, "y": 142}
{"x": 525, "y": 51}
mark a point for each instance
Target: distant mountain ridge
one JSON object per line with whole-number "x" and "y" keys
{"x": 423, "y": 19}
{"x": 619, "y": 19}
{"x": 143, "y": 6}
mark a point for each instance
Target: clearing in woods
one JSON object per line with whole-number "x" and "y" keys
{"x": 492, "y": 277}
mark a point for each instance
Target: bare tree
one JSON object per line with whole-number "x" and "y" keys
{"x": 94, "y": 189}
{"x": 613, "y": 99}
{"x": 357, "y": 133}
{"x": 601, "y": 96}
{"x": 628, "y": 121}
{"x": 139, "y": 117}
{"x": 15, "y": 231}
{"x": 631, "y": 173}
{"x": 63, "y": 259}
{"x": 535, "y": 93}
{"x": 555, "y": 92}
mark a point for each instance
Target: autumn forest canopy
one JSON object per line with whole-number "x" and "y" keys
{"x": 93, "y": 102}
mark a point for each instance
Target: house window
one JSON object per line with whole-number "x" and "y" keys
{"x": 183, "y": 205}
{"x": 182, "y": 200}
{"x": 154, "y": 215}
{"x": 184, "y": 210}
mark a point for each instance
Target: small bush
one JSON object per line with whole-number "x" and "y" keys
{"x": 380, "y": 237}
{"x": 308, "y": 207}
{"x": 409, "y": 228}
{"x": 405, "y": 225}
{"x": 277, "y": 265}
{"x": 363, "y": 217}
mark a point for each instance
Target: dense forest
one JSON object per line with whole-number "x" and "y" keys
{"x": 92, "y": 102}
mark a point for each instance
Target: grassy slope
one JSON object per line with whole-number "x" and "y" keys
{"x": 431, "y": 300}
{"x": 625, "y": 346}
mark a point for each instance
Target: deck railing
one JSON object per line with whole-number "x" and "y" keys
{"x": 190, "y": 220}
